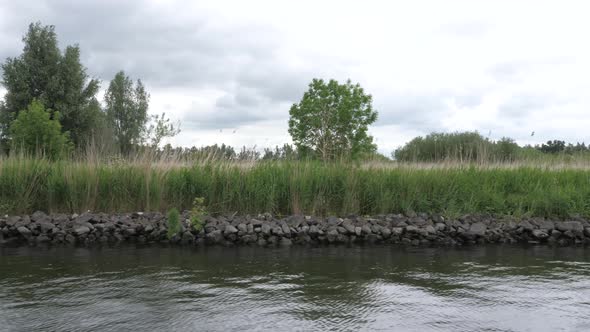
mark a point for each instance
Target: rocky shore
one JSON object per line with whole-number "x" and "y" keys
{"x": 265, "y": 230}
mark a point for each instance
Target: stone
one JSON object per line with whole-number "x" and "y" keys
{"x": 430, "y": 230}
{"x": 397, "y": 231}
{"x": 358, "y": 231}
{"x": 478, "y": 229}
{"x": 439, "y": 227}
{"x": 265, "y": 229}
{"x": 285, "y": 228}
{"x": 82, "y": 230}
{"x": 332, "y": 235}
{"x": 314, "y": 230}
{"x": 129, "y": 231}
{"x": 285, "y": 242}
{"x": 526, "y": 225}
{"x": 25, "y": 232}
{"x": 540, "y": 234}
{"x": 216, "y": 236}
{"x": 565, "y": 226}
{"x": 42, "y": 238}
{"x": 70, "y": 239}
{"x": 386, "y": 232}
{"x": 546, "y": 225}
{"x": 277, "y": 230}
{"x": 366, "y": 230}
{"x": 229, "y": 229}
{"x": 243, "y": 228}
{"x": 348, "y": 226}
{"x": 39, "y": 216}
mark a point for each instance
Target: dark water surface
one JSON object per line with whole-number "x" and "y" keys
{"x": 492, "y": 288}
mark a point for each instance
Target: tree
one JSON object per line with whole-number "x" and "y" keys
{"x": 126, "y": 111}
{"x": 35, "y": 133}
{"x": 58, "y": 81}
{"x": 332, "y": 119}
{"x": 161, "y": 128}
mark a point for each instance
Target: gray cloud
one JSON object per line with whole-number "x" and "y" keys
{"x": 519, "y": 106}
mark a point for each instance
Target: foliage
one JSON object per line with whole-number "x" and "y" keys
{"x": 126, "y": 110}
{"x": 332, "y": 120}
{"x": 197, "y": 212}
{"x": 58, "y": 80}
{"x": 161, "y": 128}
{"x": 173, "y": 222}
{"x": 35, "y": 133}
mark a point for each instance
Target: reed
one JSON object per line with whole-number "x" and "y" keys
{"x": 286, "y": 187}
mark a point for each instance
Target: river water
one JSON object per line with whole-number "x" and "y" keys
{"x": 490, "y": 288}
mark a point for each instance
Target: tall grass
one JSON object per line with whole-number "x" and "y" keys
{"x": 285, "y": 187}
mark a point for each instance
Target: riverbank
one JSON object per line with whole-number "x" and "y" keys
{"x": 265, "y": 230}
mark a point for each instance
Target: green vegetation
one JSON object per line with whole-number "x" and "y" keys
{"x": 56, "y": 79}
{"x": 36, "y": 133}
{"x": 331, "y": 121}
{"x": 280, "y": 187}
{"x": 173, "y": 222}
{"x": 198, "y": 211}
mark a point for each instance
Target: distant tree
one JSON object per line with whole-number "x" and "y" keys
{"x": 126, "y": 111}
{"x": 506, "y": 149}
{"x": 554, "y": 146}
{"x": 459, "y": 146}
{"x": 332, "y": 119}
{"x": 161, "y": 128}
{"x": 36, "y": 133}
{"x": 58, "y": 81}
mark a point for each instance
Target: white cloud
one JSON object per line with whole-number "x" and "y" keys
{"x": 500, "y": 67}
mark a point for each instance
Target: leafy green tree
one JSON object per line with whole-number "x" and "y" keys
{"x": 36, "y": 133}
{"x": 58, "y": 81}
{"x": 126, "y": 111}
{"x": 331, "y": 120}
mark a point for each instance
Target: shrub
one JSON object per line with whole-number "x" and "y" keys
{"x": 36, "y": 133}
{"x": 173, "y": 222}
{"x": 197, "y": 213}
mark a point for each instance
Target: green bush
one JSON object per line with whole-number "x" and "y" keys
{"x": 35, "y": 133}
{"x": 197, "y": 213}
{"x": 173, "y": 222}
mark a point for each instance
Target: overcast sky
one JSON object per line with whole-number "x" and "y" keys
{"x": 229, "y": 70}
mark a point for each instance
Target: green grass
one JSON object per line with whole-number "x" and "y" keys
{"x": 27, "y": 185}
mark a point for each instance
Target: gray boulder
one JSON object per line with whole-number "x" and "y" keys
{"x": 25, "y": 232}
{"x": 82, "y": 230}
{"x": 478, "y": 229}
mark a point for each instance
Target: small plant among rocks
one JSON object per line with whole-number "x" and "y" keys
{"x": 197, "y": 213}
{"x": 173, "y": 222}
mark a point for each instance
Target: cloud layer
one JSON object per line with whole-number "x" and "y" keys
{"x": 229, "y": 70}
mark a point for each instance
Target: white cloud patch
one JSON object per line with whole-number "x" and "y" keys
{"x": 229, "y": 70}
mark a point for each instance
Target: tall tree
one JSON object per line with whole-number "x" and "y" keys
{"x": 126, "y": 110}
{"x": 332, "y": 120}
{"x": 58, "y": 81}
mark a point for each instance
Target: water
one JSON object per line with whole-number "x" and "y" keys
{"x": 493, "y": 288}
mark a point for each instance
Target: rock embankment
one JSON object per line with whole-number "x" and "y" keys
{"x": 266, "y": 230}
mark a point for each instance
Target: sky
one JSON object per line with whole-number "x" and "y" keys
{"x": 229, "y": 71}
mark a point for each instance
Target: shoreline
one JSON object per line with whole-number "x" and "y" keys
{"x": 90, "y": 229}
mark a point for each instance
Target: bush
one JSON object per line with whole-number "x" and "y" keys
{"x": 173, "y": 222}
{"x": 197, "y": 213}
{"x": 35, "y": 133}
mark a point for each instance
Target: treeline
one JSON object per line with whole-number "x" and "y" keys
{"x": 473, "y": 147}
{"x": 51, "y": 106}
